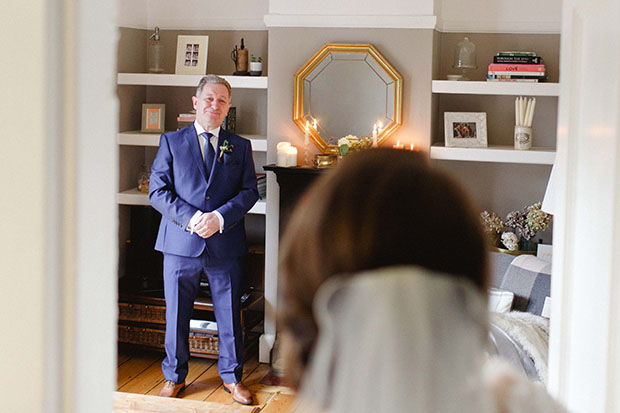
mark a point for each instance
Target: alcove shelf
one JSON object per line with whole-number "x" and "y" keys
{"x": 150, "y": 79}
{"x": 137, "y": 138}
{"x": 135, "y": 197}
{"x": 494, "y": 153}
{"x": 495, "y": 88}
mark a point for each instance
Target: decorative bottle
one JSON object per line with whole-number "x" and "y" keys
{"x": 155, "y": 52}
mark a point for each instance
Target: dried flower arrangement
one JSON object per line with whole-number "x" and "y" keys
{"x": 353, "y": 143}
{"x": 526, "y": 222}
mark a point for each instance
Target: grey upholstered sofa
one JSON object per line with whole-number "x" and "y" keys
{"x": 521, "y": 335}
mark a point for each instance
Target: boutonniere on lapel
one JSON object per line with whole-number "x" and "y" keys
{"x": 225, "y": 147}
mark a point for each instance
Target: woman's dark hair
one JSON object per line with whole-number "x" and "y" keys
{"x": 377, "y": 208}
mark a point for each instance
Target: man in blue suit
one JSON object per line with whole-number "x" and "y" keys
{"x": 203, "y": 183}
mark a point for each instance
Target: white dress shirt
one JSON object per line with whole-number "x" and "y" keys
{"x": 201, "y": 143}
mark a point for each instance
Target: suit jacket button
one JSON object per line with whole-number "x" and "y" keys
{"x": 208, "y": 197}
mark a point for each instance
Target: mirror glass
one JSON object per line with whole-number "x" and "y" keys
{"x": 345, "y": 89}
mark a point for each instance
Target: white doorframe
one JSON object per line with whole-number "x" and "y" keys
{"x": 584, "y": 356}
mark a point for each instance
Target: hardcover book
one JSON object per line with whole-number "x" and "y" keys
{"x": 518, "y": 59}
{"x": 515, "y": 53}
{"x": 511, "y": 73}
{"x": 502, "y": 67}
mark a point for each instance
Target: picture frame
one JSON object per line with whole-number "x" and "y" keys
{"x": 465, "y": 129}
{"x": 153, "y": 117}
{"x": 191, "y": 55}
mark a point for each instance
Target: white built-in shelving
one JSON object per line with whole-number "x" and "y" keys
{"x": 494, "y": 153}
{"x": 150, "y": 79}
{"x": 137, "y": 138}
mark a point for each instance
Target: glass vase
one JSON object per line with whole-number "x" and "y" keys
{"x": 527, "y": 245}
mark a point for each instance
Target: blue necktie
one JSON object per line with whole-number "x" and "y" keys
{"x": 209, "y": 152}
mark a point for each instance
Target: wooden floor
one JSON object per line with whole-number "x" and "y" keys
{"x": 139, "y": 372}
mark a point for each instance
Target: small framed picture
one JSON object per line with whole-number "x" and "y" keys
{"x": 466, "y": 129}
{"x": 153, "y": 117}
{"x": 191, "y": 55}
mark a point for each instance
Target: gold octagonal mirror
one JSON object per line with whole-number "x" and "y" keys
{"x": 346, "y": 89}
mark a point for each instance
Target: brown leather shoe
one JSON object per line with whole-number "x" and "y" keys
{"x": 239, "y": 393}
{"x": 171, "y": 389}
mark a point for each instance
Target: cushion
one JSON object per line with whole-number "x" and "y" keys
{"x": 500, "y": 301}
{"x": 529, "y": 278}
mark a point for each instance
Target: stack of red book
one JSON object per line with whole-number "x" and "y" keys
{"x": 516, "y": 67}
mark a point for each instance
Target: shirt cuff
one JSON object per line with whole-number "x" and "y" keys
{"x": 193, "y": 221}
{"x": 221, "y": 218}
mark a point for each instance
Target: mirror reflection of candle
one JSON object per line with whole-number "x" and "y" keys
{"x": 374, "y": 135}
{"x": 307, "y": 136}
{"x": 314, "y": 124}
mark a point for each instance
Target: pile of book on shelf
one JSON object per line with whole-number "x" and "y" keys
{"x": 261, "y": 184}
{"x": 229, "y": 123}
{"x": 516, "y": 67}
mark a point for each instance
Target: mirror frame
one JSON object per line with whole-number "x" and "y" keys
{"x": 300, "y": 76}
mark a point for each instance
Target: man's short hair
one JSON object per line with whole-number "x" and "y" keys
{"x": 215, "y": 80}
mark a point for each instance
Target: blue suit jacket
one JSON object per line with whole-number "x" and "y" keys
{"x": 179, "y": 186}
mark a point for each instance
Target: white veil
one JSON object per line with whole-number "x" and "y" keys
{"x": 399, "y": 339}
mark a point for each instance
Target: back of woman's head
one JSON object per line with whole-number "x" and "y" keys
{"x": 379, "y": 208}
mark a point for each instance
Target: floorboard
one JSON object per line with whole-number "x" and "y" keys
{"x": 140, "y": 379}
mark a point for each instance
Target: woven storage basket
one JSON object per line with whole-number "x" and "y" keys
{"x": 155, "y": 338}
{"x": 142, "y": 313}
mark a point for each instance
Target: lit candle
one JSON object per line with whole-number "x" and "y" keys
{"x": 412, "y": 147}
{"x": 291, "y": 156}
{"x": 282, "y": 152}
{"x": 374, "y": 135}
{"x": 307, "y": 134}
{"x": 399, "y": 145}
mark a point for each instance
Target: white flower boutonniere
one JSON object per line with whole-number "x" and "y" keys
{"x": 225, "y": 147}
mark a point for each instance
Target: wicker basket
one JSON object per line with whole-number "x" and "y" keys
{"x": 142, "y": 313}
{"x": 202, "y": 344}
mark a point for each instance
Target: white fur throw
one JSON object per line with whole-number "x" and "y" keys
{"x": 529, "y": 330}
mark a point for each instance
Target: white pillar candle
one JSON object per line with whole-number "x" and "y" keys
{"x": 282, "y": 153}
{"x": 291, "y": 156}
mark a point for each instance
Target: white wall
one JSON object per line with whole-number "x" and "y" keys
{"x": 22, "y": 257}
{"x": 57, "y": 254}
{"x": 501, "y": 16}
{"x": 193, "y": 14}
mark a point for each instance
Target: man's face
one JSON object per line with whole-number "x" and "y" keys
{"x": 212, "y": 105}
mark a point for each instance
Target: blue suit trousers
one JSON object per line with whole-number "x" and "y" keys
{"x": 181, "y": 283}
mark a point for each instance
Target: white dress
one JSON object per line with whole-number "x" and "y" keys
{"x": 406, "y": 339}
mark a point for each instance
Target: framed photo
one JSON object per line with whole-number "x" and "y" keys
{"x": 153, "y": 117}
{"x": 192, "y": 55}
{"x": 465, "y": 129}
